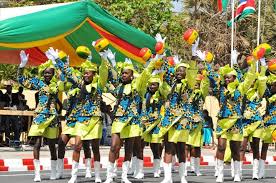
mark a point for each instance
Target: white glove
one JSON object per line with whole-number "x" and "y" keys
{"x": 263, "y": 61}
{"x": 50, "y": 57}
{"x": 201, "y": 55}
{"x": 104, "y": 54}
{"x": 157, "y": 56}
{"x": 234, "y": 58}
{"x": 159, "y": 38}
{"x": 89, "y": 57}
{"x": 128, "y": 61}
{"x": 67, "y": 60}
{"x": 194, "y": 47}
{"x": 93, "y": 43}
{"x": 111, "y": 57}
{"x": 176, "y": 59}
{"x": 23, "y": 58}
{"x": 52, "y": 54}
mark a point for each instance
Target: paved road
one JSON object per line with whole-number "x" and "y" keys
{"x": 208, "y": 171}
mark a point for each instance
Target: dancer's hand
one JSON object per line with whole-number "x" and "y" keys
{"x": 111, "y": 57}
{"x": 194, "y": 47}
{"x": 234, "y": 58}
{"x": 52, "y": 54}
{"x": 201, "y": 55}
{"x": 263, "y": 62}
{"x": 103, "y": 54}
{"x": 23, "y": 58}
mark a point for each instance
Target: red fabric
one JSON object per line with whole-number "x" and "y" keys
{"x": 36, "y": 56}
{"x": 123, "y": 44}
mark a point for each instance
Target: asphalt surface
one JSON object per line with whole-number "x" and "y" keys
{"x": 207, "y": 177}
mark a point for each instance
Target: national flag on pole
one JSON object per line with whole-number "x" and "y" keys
{"x": 245, "y": 8}
{"x": 222, "y": 5}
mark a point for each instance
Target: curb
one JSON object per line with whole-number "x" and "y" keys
{"x": 14, "y": 165}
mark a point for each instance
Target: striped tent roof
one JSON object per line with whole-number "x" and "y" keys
{"x": 65, "y": 28}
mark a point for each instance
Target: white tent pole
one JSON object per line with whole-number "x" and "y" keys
{"x": 259, "y": 23}
{"x": 259, "y": 29}
{"x": 232, "y": 33}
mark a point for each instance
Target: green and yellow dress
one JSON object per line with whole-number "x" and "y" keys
{"x": 45, "y": 122}
{"x": 194, "y": 114}
{"x": 254, "y": 107}
{"x": 86, "y": 113}
{"x": 270, "y": 116}
{"x": 230, "y": 124}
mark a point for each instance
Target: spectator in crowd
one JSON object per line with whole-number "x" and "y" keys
{"x": 2, "y": 126}
{"x": 36, "y": 99}
{"x": 11, "y": 122}
{"x": 23, "y": 120}
{"x": 208, "y": 129}
{"x": 106, "y": 110}
{"x": 20, "y": 94}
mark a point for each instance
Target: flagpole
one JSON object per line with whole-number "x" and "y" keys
{"x": 232, "y": 33}
{"x": 259, "y": 30}
{"x": 259, "y": 23}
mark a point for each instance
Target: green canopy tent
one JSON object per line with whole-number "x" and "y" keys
{"x": 67, "y": 27}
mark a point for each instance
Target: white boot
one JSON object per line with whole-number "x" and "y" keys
{"x": 186, "y": 171}
{"x": 109, "y": 172}
{"x": 167, "y": 173}
{"x": 97, "y": 167}
{"x": 255, "y": 169}
{"x": 53, "y": 170}
{"x": 37, "y": 170}
{"x": 182, "y": 167}
{"x": 261, "y": 169}
{"x": 156, "y": 168}
{"x": 197, "y": 166}
{"x": 60, "y": 167}
{"x": 232, "y": 168}
{"x": 74, "y": 172}
{"x": 173, "y": 164}
{"x": 88, "y": 168}
{"x": 216, "y": 168}
{"x": 220, "y": 171}
{"x": 140, "y": 169}
{"x": 237, "y": 166}
{"x": 192, "y": 164}
{"x": 131, "y": 171}
{"x": 241, "y": 163}
{"x": 125, "y": 168}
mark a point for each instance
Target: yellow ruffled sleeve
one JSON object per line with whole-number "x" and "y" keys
{"x": 204, "y": 86}
{"x": 262, "y": 79}
{"x": 165, "y": 89}
{"x": 191, "y": 74}
{"x": 141, "y": 81}
{"x": 103, "y": 74}
{"x": 248, "y": 80}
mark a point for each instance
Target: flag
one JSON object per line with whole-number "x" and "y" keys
{"x": 222, "y": 5}
{"x": 245, "y": 8}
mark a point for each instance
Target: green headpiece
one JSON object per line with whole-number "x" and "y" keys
{"x": 44, "y": 66}
{"x": 182, "y": 64}
{"x": 227, "y": 70}
{"x": 271, "y": 78}
{"x": 88, "y": 65}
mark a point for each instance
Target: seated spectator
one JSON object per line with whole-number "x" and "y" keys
{"x": 20, "y": 94}
{"x": 11, "y": 122}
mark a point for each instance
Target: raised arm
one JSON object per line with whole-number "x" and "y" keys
{"x": 30, "y": 83}
{"x": 248, "y": 80}
{"x": 103, "y": 73}
{"x": 142, "y": 80}
{"x": 262, "y": 79}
